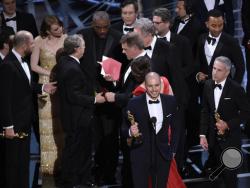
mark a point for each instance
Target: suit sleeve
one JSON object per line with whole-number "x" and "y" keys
{"x": 204, "y": 121}
{"x": 6, "y": 83}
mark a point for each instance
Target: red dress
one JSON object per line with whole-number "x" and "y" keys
{"x": 174, "y": 178}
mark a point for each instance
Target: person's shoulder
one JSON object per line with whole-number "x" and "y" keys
{"x": 115, "y": 33}
{"x": 24, "y": 15}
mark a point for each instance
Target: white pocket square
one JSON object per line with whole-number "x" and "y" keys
{"x": 227, "y": 98}
{"x": 167, "y": 116}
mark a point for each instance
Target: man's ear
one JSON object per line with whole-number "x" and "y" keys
{"x": 206, "y": 23}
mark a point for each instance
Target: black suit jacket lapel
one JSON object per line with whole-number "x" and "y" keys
{"x": 18, "y": 21}
{"x": 210, "y": 94}
{"x": 226, "y": 88}
{"x": 20, "y": 69}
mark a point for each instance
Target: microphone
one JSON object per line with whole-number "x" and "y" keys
{"x": 153, "y": 121}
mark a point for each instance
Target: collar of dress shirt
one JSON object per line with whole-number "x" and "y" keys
{"x": 153, "y": 42}
{"x": 149, "y": 98}
{"x": 222, "y": 83}
{"x": 75, "y": 58}
{"x": 2, "y": 56}
{"x": 7, "y": 16}
{"x": 143, "y": 53}
{"x": 18, "y": 56}
{"x": 168, "y": 34}
{"x": 217, "y": 38}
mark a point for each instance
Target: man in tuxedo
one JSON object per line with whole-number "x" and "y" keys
{"x": 227, "y": 98}
{"x": 16, "y": 109}
{"x": 17, "y": 20}
{"x": 129, "y": 13}
{"x": 152, "y": 113}
{"x": 100, "y": 41}
{"x": 187, "y": 24}
{"x": 202, "y": 7}
{"x": 165, "y": 62}
{"x": 217, "y": 43}
{"x": 77, "y": 99}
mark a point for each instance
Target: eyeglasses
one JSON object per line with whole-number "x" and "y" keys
{"x": 157, "y": 23}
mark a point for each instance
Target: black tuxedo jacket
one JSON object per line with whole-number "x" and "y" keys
{"x": 118, "y": 26}
{"x": 192, "y": 30}
{"x": 233, "y": 108}
{"x": 245, "y": 14}
{"x": 165, "y": 62}
{"x": 138, "y": 108}
{"x": 200, "y": 10}
{"x": 76, "y": 94}
{"x": 24, "y": 21}
{"x": 16, "y": 95}
{"x": 89, "y": 62}
{"x": 227, "y": 46}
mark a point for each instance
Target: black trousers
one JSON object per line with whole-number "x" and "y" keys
{"x": 76, "y": 157}
{"x": 17, "y": 156}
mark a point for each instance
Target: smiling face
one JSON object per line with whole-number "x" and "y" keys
{"x": 153, "y": 85}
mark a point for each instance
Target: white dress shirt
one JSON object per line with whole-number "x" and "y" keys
{"x": 217, "y": 93}
{"x": 155, "y": 110}
{"x": 209, "y": 48}
{"x": 150, "y": 52}
{"x": 11, "y": 23}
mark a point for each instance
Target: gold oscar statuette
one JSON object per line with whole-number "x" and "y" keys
{"x": 138, "y": 137}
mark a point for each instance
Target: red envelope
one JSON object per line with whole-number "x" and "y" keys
{"x": 112, "y": 67}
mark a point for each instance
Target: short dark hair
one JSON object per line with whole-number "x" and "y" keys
{"x": 140, "y": 67}
{"x": 132, "y": 39}
{"x": 4, "y": 38}
{"x": 164, "y": 13}
{"x": 130, "y": 2}
{"x": 214, "y": 13}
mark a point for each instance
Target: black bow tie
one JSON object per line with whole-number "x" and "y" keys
{"x": 10, "y": 19}
{"x": 163, "y": 38}
{"x": 153, "y": 102}
{"x": 23, "y": 60}
{"x": 148, "y": 48}
{"x": 129, "y": 29}
{"x": 210, "y": 39}
{"x": 218, "y": 85}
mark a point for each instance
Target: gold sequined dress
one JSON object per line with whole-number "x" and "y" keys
{"x": 51, "y": 134}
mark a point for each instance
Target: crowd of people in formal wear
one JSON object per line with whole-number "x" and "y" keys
{"x": 179, "y": 86}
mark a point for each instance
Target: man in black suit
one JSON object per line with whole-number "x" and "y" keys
{"x": 202, "y": 7}
{"x": 187, "y": 24}
{"x": 101, "y": 41}
{"x": 17, "y": 20}
{"x": 165, "y": 62}
{"x": 16, "y": 109}
{"x": 152, "y": 113}
{"x": 77, "y": 99}
{"x": 216, "y": 43}
{"x": 129, "y": 13}
{"x": 227, "y": 98}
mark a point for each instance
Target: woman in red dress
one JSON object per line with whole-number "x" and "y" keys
{"x": 139, "y": 68}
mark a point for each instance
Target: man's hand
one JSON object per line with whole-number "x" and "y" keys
{"x": 99, "y": 98}
{"x": 9, "y": 133}
{"x": 203, "y": 143}
{"x": 134, "y": 130}
{"x": 201, "y": 76}
{"x": 110, "y": 96}
{"x": 50, "y": 88}
{"x": 221, "y": 126}
{"x": 108, "y": 77}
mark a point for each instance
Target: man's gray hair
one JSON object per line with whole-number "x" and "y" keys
{"x": 72, "y": 42}
{"x": 100, "y": 15}
{"x": 225, "y": 60}
{"x": 145, "y": 25}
